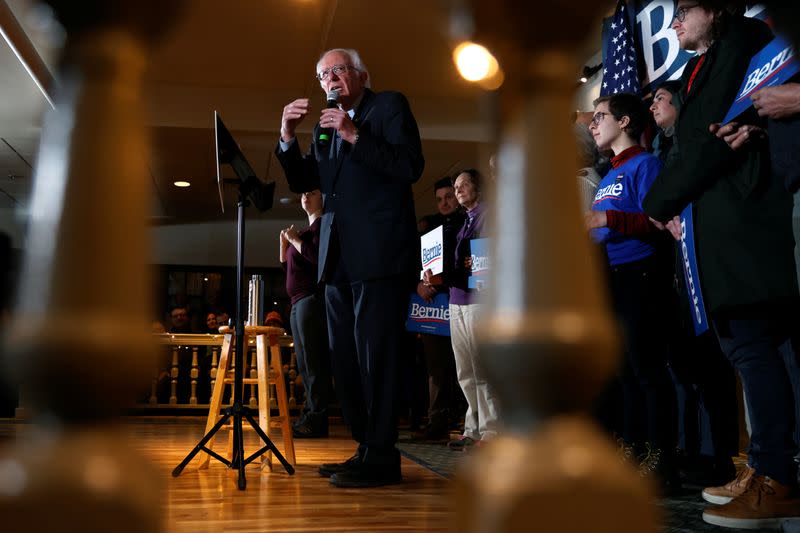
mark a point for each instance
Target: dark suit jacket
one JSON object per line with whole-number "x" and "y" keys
{"x": 366, "y": 191}
{"x": 742, "y": 211}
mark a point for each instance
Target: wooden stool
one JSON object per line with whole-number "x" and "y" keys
{"x": 262, "y": 381}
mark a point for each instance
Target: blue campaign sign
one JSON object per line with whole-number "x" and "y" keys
{"x": 774, "y": 65}
{"x": 660, "y": 52}
{"x": 479, "y": 249}
{"x": 691, "y": 273}
{"x": 433, "y": 317}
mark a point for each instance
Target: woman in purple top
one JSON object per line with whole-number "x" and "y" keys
{"x": 480, "y": 421}
{"x": 299, "y": 251}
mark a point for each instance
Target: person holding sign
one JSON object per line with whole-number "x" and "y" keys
{"x": 480, "y": 420}
{"x": 705, "y": 382}
{"x": 439, "y": 358}
{"x": 781, "y": 106}
{"x": 744, "y": 252}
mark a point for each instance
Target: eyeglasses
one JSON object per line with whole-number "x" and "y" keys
{"x": 680, "y": 13}
{"x": 336, "y": 69}
{"x": 598, "y": 118}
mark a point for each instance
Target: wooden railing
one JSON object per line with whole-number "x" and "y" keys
{"x": 187, "y": 370}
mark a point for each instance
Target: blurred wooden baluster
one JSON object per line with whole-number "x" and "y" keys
{"x": 547, "y": 339}
{"x": 85, "y": 284}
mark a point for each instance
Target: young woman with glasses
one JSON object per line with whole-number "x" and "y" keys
{"x": 640, "y": 283}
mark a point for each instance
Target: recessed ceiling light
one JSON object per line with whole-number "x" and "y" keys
{"x": 181, "y": 183}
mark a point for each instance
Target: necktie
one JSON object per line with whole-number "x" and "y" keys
{"x": 338, "y": 145}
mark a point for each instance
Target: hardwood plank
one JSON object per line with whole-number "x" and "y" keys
{"x": 208, "y": 500}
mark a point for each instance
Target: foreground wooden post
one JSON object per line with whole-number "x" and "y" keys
{"x": 547, "y": 339}
{"x": 85, "y": 284}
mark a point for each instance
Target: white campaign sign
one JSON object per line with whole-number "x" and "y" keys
{"x": 432, "y": 244}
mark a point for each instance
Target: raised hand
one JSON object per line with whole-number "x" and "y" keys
{"x": 293, "y": 114}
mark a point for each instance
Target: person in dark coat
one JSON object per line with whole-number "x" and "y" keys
{"x": 367, "y": 249}
{"x": 705, "y": 382}
{"x": 443, "y": 390}
{"x": 744, "y": 243}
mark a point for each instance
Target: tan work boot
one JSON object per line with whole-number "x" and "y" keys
{"x": 763, "y": 505}
{"x": 726, "y": 493}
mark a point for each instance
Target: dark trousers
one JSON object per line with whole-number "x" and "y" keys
{"x": 310, "y": 333}
{"x": 365, "y": 330}
{"x": 756, "y": 340}
{"x": 792, "y": 360}
{"x": 639, "y": 291}
{"x": 705, "y": 382}
{"x": 442, "y": 383}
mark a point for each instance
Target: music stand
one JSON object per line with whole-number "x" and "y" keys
{"x": 251, "y": 189}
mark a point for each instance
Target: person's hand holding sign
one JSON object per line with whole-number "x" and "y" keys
{"x": 738, "y": 135}
{"x": 779, "y": 102}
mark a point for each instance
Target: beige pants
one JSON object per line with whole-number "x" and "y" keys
{"x": 480, "y": 422}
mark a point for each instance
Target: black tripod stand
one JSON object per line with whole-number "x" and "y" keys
{"x": 249, "y": 187}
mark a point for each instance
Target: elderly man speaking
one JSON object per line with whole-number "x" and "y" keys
{"x": 364, "y": 156}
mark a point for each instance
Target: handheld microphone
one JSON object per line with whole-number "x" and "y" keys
{"x": 326, "y": 134}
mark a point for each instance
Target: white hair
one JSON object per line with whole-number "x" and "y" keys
{"x": 355, "y": 58}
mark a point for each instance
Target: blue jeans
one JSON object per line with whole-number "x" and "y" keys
{"x": 756, "y": 340}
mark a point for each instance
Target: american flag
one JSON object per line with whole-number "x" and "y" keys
{"x": 619, "y": 61}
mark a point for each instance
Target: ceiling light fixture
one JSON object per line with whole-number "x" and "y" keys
{"x": 474, "y": 62}
{"x": 588, "y": 72}
{"x": 477, "y": 64}
{"x": 182, "y": 184}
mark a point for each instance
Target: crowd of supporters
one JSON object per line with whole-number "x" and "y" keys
{"x": 652, "y": 172}
{"x": 673, "y": 404}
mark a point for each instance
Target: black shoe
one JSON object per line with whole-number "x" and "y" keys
{"x": 709, "y": 472}
{"x": 310, "y": 431}
{"x": 366, "y": 475}
{"x": 329, "y": 469}
{"x": 462, "y": 443}
{"x": 299, "y": 422}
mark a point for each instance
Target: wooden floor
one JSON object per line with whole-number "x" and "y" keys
{"x": 208, "y": 500}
